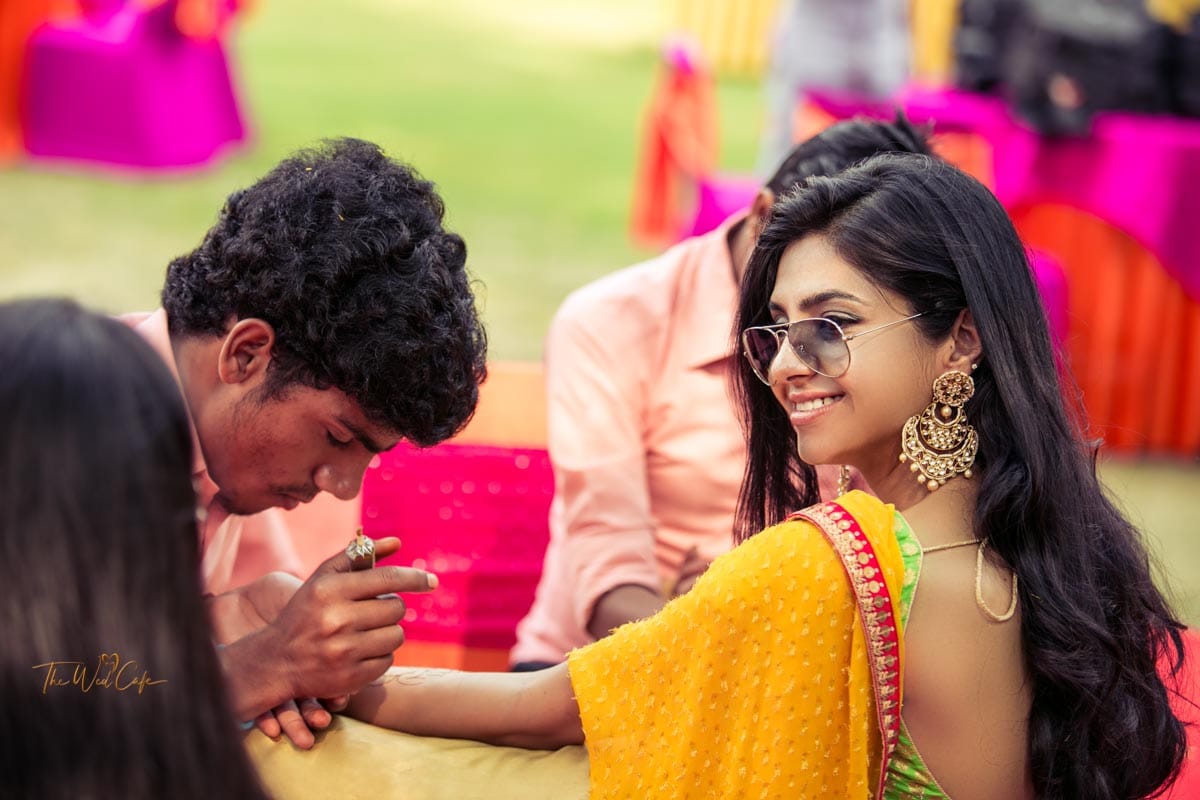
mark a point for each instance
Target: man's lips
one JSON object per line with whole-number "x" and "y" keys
{"x": 290, "y": 500}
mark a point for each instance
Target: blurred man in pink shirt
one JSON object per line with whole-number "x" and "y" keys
{"x": 646, "y": 448}
{"x": 326, "y": 316}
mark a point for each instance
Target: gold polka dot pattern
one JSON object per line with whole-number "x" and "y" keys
{"x": 754, "y": 684}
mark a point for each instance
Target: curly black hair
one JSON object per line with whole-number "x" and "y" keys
{"x": 342, "y": 250}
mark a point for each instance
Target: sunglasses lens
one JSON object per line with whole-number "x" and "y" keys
{"x": 820, "y": 345}
{"x": 761, "y": 347}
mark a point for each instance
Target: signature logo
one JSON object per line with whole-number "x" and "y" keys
{"x": 110, "y": 672}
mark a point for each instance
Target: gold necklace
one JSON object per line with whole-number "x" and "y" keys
{"x": 979, "y": 601}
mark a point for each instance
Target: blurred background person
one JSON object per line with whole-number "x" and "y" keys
{"x": 858, "y": 47}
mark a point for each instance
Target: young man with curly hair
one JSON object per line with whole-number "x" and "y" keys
{"x": 327, "y": 315}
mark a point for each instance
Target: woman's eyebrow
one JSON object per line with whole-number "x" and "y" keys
{"x": 824, "y": 297}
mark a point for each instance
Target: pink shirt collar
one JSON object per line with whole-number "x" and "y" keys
{"x": 152, "y": 327}
{"x": 707, "y": 318}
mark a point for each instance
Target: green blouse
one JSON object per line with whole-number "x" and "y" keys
{"x": 907, "y": 776}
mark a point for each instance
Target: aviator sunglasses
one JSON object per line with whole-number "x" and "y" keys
{"x": 819, "y": 343}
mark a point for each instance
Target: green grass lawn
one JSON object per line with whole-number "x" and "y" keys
{"x": 527, "y": 117}
{"x": 525, "y": 113}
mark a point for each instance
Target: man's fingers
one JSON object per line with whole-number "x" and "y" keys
{"x": 341, "y": 562}
{"x": 379, "y": 612}
{"x": 376, "y": 667}
{"x": 370, "y": 583}
{"x": 380, "y": 643}
{"x": 365, "y": 669}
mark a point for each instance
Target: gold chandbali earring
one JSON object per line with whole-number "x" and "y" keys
{"x": 939, "y": 442}
{"x": 843, "y": 483}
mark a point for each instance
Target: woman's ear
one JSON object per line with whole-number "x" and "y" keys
{"x": 246, "y": 351}
{"x": 964, "y": 349}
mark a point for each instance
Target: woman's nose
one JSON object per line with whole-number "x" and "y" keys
{"x": 787, "y": 364}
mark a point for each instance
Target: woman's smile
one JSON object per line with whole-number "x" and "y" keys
{"x": 804, "y": 409}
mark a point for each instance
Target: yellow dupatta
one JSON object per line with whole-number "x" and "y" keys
{"x": 776, "y": 676}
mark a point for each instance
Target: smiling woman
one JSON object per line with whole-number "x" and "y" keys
{"x": 1052, "y": 659}
{"x": 108, "y": 678}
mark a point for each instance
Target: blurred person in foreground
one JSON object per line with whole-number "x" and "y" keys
{"x": 644, "y": 440}
{"x": 108, "y": 678}
{"x": 326, "y": 316}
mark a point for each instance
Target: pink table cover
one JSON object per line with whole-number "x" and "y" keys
{"x": 476, "y": 516}
{"x": 1136, "y": 172}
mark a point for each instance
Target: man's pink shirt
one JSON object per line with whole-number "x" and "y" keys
{"x": 647, "y": 451}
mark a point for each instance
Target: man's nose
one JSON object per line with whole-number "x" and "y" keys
{"x": 343, "y": 483}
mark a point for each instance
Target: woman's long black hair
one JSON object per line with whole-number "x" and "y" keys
{"x": 1094, "y": 626}
{"x": 99, "y": 557}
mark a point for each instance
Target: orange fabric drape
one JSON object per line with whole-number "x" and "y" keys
{"x": 18, "y": 19}
{"x": 1134, "y": 337}
{"x": 679, "y": 145}
{"x": 205, "y": 19}
{"x": 202, "y": 19}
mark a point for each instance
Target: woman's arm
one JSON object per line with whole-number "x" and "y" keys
{"x": 536, "y": 710}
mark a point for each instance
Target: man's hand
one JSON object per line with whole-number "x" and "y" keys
{"x": 336, "y": 633}
{"x": 694, "y": 565}
{"x": 625, "y": 603}
{"x": 252, "y": 607}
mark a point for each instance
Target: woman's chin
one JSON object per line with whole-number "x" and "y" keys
{"x": 814, "y": 454}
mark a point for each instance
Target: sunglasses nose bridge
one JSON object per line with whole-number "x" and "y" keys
{"x": 781, "y": 341}
{"x": 799, "y": 354}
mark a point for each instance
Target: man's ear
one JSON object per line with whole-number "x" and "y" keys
{"x": 965, "y": 348}
{"x": 760, "y": 211}
{"x": 246, "y": 351}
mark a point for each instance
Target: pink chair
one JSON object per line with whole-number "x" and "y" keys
{"x": 123, "y": 86}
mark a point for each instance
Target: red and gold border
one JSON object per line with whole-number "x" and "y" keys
{"x": 876, "y": 610}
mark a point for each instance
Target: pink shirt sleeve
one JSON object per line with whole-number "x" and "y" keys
{"x": 596, "y": 386}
